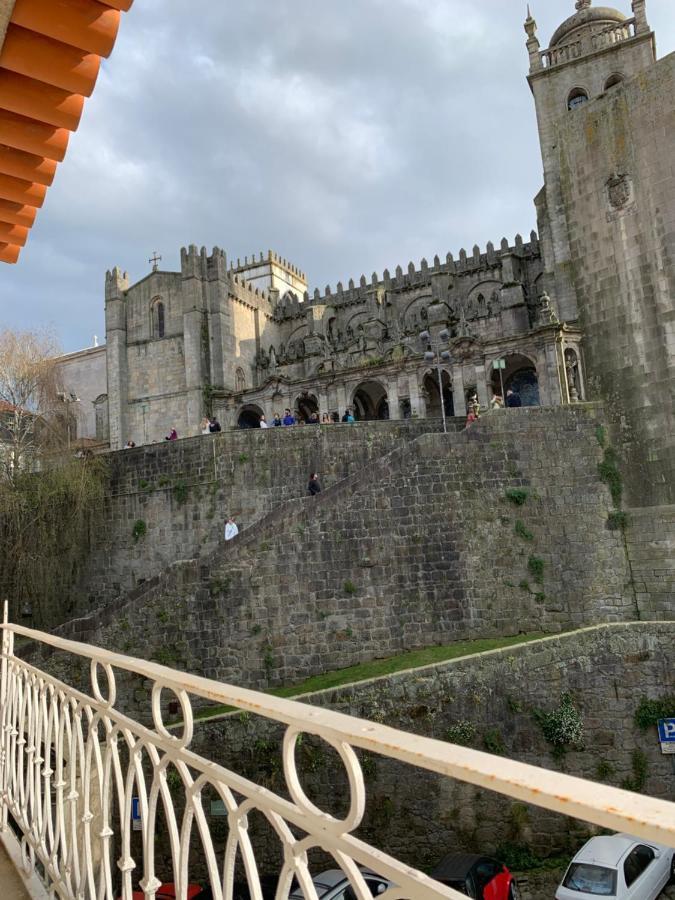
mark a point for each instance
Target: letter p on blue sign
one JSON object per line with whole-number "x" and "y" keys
{"x": 667, "y": 735}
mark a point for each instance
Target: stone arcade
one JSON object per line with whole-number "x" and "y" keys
{"x": 578, "y": 312}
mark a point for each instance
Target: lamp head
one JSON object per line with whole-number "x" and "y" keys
{"x": 425, "y": 337}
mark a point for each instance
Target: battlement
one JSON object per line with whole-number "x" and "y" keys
{"x": 258, "y": 260}
{"x": 116, "y": 283}
{"x": 196, "y": 263}
{"x": 269, "y": 274}
{"x": 413, "y": 276}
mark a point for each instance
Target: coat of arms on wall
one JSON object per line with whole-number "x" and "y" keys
{"x": 619, "y": 192}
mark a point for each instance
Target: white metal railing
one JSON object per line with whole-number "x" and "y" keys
{"x": 71, "y": 765}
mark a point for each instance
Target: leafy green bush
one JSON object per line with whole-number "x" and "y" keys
{"x": 180, "y": 491}
{"x": 617, "y": 520}
{"x": 494, "y": 742}
{"x": 562, "y": 727}
{"x": 535, "y": 566}
{"x": 349, "y": 587}
{"x": 517, "y": 496}
{"x": 462, "y": 733}
{"x": 649, "y": 711}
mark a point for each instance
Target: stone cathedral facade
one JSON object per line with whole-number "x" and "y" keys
{"x": 578, "y": 311}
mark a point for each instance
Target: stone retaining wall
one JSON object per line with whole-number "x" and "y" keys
{"x": 422, "y": 546}
{"x": 493, "y": 699}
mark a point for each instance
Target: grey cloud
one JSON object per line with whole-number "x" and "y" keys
{"x": 348, "y": 136}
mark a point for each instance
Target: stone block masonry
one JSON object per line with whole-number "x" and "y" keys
{"x": 490, "y": 532}
{"x": 650, "y": 543}
{"x": 183, "y": 491}
{"x": 489, "y": 701}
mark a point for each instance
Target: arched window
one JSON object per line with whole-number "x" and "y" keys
{"x": 577, "y": 98}
{"x": 613, "y": 81}
{"x": 158, "y": 318}
{"x": 239, "y": 381}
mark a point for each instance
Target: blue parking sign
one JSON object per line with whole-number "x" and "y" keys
{"x": 667, "y": 735}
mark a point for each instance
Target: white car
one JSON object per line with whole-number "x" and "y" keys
{"x": 620, "y": 866}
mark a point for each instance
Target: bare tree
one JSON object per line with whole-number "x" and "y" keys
{"x": 31, "y": 414}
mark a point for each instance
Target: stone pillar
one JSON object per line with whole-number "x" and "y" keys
{"x": 341, "y": 399}
{"x": 418, "y": 407}
{"x": 640, "y": 13}
{"x": 116, "y": 284}
{"x": 194, "y": 267}
{"x": 221, "y": 343}
{"x": 482, "y": 387}
{"x": 392, "y": 398}
{"x": 322, "y": 399}
{"x": 458, "y": 391}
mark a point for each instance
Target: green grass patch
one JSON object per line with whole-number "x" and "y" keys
{"x": 517, "y": 496}
{"x": 379, "y": 668}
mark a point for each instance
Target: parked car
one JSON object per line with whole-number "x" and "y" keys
{"x": 620, "y": 866}
{"x": 334, "y": 885}
{"x": 168, "y": 892}
{"x": 480, "y": 877}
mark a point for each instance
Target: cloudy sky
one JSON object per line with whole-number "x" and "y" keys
{"x": 347, "y": 135}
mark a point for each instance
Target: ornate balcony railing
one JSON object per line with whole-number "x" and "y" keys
{"x": 73, "y": 768}
{"x": 588, "y": 43}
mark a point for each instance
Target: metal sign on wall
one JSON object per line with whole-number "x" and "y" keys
{"x": 667, "y": 735}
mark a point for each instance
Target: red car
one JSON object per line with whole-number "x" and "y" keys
{"x": 480, "y": 877}
{"x": 168, "y": 892}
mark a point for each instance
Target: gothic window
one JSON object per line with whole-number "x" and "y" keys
{"x": 101, "y": 418}
{"x": 613, "y": 81}
{"x": 158, "y": 318}
{"x": 239, "y": 381}
{"x": 577, "y": 98}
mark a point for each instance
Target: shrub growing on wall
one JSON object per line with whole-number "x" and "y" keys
{"x": 563, "y": 727}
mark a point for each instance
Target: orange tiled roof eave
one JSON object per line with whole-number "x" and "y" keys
{"x": 49, "y": 63}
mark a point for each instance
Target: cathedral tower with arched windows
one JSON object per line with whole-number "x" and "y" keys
{"x": 605, "y": 111}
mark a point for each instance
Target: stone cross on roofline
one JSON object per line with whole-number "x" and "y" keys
{"x": 155, "y": 260}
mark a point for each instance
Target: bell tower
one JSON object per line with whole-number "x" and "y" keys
{"x": 604, "y": 105}
{"x": 593, "y": 52}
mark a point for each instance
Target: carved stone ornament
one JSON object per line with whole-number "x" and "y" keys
{"x": 546, "y": 314}
{"x": 619, "y": 191}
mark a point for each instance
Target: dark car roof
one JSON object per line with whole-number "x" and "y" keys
{"x": 456, "y": 865}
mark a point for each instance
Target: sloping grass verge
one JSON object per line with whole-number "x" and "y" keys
{"x": 379, "y": 668}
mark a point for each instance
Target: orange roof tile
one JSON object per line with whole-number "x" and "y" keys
{"x": 49, "y": 63}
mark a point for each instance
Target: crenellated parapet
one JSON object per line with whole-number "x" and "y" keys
{"x": 416, "y": 276}
{"x": 260, "y": 259}
{"x": 116, "y": 284}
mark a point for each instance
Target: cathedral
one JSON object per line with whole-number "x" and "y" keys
{"x": 578, "y": 311}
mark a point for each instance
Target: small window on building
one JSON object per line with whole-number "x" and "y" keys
{"x": 613, "y": 81}
{"x": 239, "y": 381}
{"x": 158, "y": 319}
{"x": 577, "y": 98}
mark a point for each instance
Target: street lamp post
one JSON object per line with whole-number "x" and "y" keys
{"x": 434, "y": 354}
